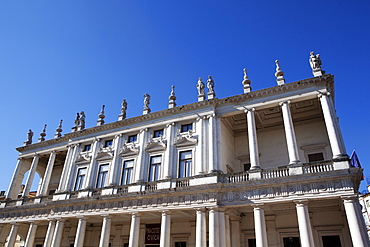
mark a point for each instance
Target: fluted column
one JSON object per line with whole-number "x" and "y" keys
{"x": 201, "y": 231}
{"x": 80, "y": 233}
{"x": 58, "y": 233}
{"x": 260, "y": 225}
{"x": 113, "y": 168}
{"x": 290, "y": 133}
{"x": 105, "y": 231}
{"x": 214, "y": 228}
{"x": 49, "y": 233}
{"x": 211, "y": 144}
{"x": 332, "y": 126}
{"x": 63, "y": 177}
{"x": 31, "y": 175}
{"x": 305, "y": 230}
{"x": 13, "y": 235}
{"x": 91, "y": 169}
{"x": 47, "y": 175}
{"x": 165, "y": 229}
{"x": 252, "y": 138}
{"x": 31, "y": 234}
{"x": 134, "y": 230}
{"x": 140, "y": 165}
{"x": 15, "y": 183}
{"x": 355, "y": 221}
{"x": 168, "y": 156}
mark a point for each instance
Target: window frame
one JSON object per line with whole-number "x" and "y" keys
{"x": 108, "y": 143}
{"x": 126, "y": 169}
{"x": 78, "y": 179}
{"x": 157, "y": 168}
{"x": 187, "y": 125}
{"x": 133, "y": 140}
{"x": 87, "y": 148}
{"x": 101, "y": 178}
{"x": 160, "y": 133}
{"x": 190, "y": 172}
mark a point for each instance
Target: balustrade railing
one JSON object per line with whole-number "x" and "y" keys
{"x": 318, "y": 167}
{"x": 275, "y": 173}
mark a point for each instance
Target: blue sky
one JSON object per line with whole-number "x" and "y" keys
{"x": 61, "y": 57}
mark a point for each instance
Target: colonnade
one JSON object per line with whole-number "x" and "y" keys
{"x": 223, "y": 230}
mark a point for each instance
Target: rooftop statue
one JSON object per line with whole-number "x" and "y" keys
{"x": 210, "y": 85}
{"x": 146, "y": 104}
{"x": 123, "y": 110}
{"x": 200, "y": 86}
{"x": 29, "y": 137}
{"x": 315, "y": 61}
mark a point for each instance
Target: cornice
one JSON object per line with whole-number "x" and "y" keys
{"x": 325, "y": 81}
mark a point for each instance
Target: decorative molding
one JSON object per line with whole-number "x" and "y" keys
{"x": 155, "y": 144}
{"x": 129, "y": 149}
{"x": 185, "y": 139}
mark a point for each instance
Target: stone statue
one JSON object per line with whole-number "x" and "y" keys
{"x": 200, "y": 86}
{"x": 146, "y": 101}
{"x": 210, "y": 84}
{"x": 82, "y": 120}
{"x": 315, "y": 61}
{"x": 29, "y": 137}
{"x": 124, "y": 108}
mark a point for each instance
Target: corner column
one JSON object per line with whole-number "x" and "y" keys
{"x": 15, "y": 183}
{"x": 289, "y": 133}
{"x": 49, "y": 233}
{"x": 134, "y": 230}
{"x": 200, "y": 149}
{"x": 355, "y": 221}
{"x": 305, "y": 230}
{"x": 13, "y": 235}
{"x": 201, "y": 231}
{"x": 105, "y": 231}
{"x": 47, "y": 175}
{"x": 31, "y": 175}
{"x": 80, "y": 233}
{"x": 260, "y": 225}
{"x": 332, "y": 126}
{"x": 165, "y": 229}
{"x": 31, "y": 235}
{"x": 212, "y": 167}
{"x": 58, "y": 233}
{"x": 252, "y": 138}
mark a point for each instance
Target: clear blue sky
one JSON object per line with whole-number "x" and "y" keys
{"x": 61, "y": 57}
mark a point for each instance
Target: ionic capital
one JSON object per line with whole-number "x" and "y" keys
{"x": 284, "y": 102}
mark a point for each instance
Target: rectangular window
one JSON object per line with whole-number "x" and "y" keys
{"x": 158, "y": 133}
{"x": 315, "y": 157}
{"x": 102, "y": 176}
{"x": 132, "y": 138}
{"x": 128, "y": 166}
{"x": 81, "y": 173}
{"x": 155, "y": 168}
{"x": 185, "y": 164}
{"x": 87, "y": 148}
{"x": 108, "y": 143}
{"x": 331, "y": 241}
{"x": 186, "y": 127}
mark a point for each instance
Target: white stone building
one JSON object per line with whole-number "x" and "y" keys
{"x": 263, "y": 168}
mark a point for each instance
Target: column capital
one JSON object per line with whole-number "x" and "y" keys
{"x": 246, "y": 109}
{"x": 200, "y": 210}
{"x": 284, "y": 102}
{"x": 170, "y": 124}
{"x": 321, "y": 94}
{"x": 82, "y": 217}
{"x": 349, "y": 198}
{"x": 301, "y": 203}
{"x": 144, "y": 130}
{"x": 106, "y": 216}
{"x": 165, "y": 212}
{"x": 258, "y": 205}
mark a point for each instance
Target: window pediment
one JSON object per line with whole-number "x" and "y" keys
{"x": 129, "y": 149}
{"x": 105, "y": 152}
{"x": 83, "y": 157}
{"x": 185, "y": 139}
{"x": 155, "y": 144}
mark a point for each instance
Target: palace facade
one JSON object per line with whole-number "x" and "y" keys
{"x": 263, "y": 168}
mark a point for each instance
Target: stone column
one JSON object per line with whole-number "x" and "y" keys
{"x": 201, "y": 231}
{"x": 227, "y": 230}
{"x": 134, "y": 230}
{"x": 252, "y": 138}
{"x": 140, "y": 164}
{"x": 305, "y": 230}
{"x": 332, "y": 126}
{"x": 15, "y": 183}
{"x": 260, "y": 226}
{"x": 58, "y": 233}
{"x": 13, "y": 235}
{"x": 355, "y": 221}
{"x": 47, "y": 175}
{"x": 166, "y": 229}
{"x": 168, "y": 155}
{"x": 91, "y": 169}
{"x": 80, "y": 233}
{"x": 212, "y": 167}
{"x": 113, "y": 168}
{"x": 62, "y": 180}
{"x": 222, "y": 228}
{"x": 213, "y": 228}
{"x": 31, "y": 175}
{"x": 200, "y": 149}
{"x": 31, "y": 235}
{"x": 49, "y": 233}
{"x": 71, "y": 168}
{"x": 105, "y": 231}
{"x": 235, "y": 232}
{"x": 289, "y": 133}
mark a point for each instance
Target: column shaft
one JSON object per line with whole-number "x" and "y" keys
{"x": 15, "y": 183}
{"x": 113, "y": 168}
{"x": 80, "y": 234}
{"x": 63, "y": 177}
{"x": 49, "y": 234}
{"x": 290, "y": 134}
{"x": 105, "y": 232}
{"x": 165, "y": 230}
{"x": 235, "y": 233}
{"x": 31, "y": 175}
{"x": 31, "y": 235}
{"x": 140, "y": 165}
{"x": 12, "y": 236}
{"x": 305, "y": 230}
{"x": 47, "y": 175}
{"x": 134, "y": 230}
{"x": 211, "y": 145}
{"x": 200, "y": 149}
{"x": 332, "y": 126}
{"x": 222, "y": 228}
{"x": 227, "y": 229}
{"x": 201, "y": 231}
{"x": 260, "y": 226}
{"x": 58, "y": 233}
{"x": 168, "y": 156}
{"x": 91, "y": 169}
{"x": 252, "y": 138}
{"x": 213, "y": 229}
